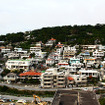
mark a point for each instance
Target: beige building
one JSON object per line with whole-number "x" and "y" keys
{"x": 76, "y": 80}
{"x": 10, "y": 77}
{"x": 53, "y": 79}
{"x": 69, "y": 52}
{"x": 18, "y": 64}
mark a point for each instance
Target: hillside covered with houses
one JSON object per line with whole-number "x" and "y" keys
{"x": 57, "y": 57}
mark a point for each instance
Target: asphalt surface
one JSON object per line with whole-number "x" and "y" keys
{"x": 26, "y": 98}
{"x": 36, "y": 88}
{"x": 26, "y": 87}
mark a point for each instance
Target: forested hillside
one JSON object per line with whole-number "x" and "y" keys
{"x": 84, "y": 34}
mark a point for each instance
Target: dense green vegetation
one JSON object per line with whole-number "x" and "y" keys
{"x": 13, "y": 91}
{"x": 84, "y": 34}
{"x": 102, "y": 101}
{"x": 5, "y": 72}
{"x": 31, "y": 81}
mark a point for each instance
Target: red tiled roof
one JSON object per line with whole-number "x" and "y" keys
{"x": 70, "y": 78}
{"x": 52, "y": 39}
{"x": 49, "y": 59}
{"x": 30, "y": 73}
{"x": 59, "y": 44}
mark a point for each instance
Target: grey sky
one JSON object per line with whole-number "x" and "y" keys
{"x": 25, "y": 15}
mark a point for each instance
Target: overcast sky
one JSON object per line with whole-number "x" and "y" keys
{"x": 26, "y": 15}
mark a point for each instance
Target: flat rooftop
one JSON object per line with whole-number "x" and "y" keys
{"x": 73, "y": 97}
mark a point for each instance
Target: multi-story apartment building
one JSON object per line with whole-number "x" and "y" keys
{"x": 75, "y": 63}
{"x": 53, "y": 79}
{"x": 35, "y": 49}
{"x": 98, "y": 54}
{"x": 12, "y": 55}
{"x": 69, "y": 52}
{"x": 50, "y": 61}
{"x": 101, "y": 47}
{"x": 88, "y": 73}
{"x": 18, "y": 64}
{"x": 76, "y": 80}
{"x": 90, "y": 48}
{"x": 38, "y": 52}
{"x": 85, "y": 54}
{"x": 63, "y": 63}
{"x": 17, "y": 49}
{"x": 5, "y": 50}
{"x": 89, "y": 62}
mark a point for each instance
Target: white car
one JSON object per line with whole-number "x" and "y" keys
{"x": 2, "y": 100}
{"x": 85, "y": 89}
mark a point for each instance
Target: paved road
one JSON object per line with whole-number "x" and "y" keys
{"x": 26, "y": 87}
{"x": 26, "y": 98}
{"x": 21, "y": 87}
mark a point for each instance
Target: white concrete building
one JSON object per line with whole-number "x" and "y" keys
{"x": 18, "y": 64}
{"x": 17, "y": 49}
{"x": 50, "y": 42}
{"x": 75, "y": 62}
{"x": 5, "y": 50}
{"x": 53, "y": 79}
{"x": 40, "y": 44}
{"x": 12, "y": 55}
{"x": 10, "y": 77}
{"x": 89, "y": 62}
{"x": 35, "y": 49}
{"x": 69, "y": 52}
{"x": 76, "y": 80}
{"x": 98, "y": 53}
{"x": 50, "y": 61}
{"x": 63, "y": 63}
{"x": 59, "y": 50}
{"x": 90, "y": 48}
{"x": 38, "y": 52}
{"x": 101, "y": 47}
{"x": 88, "y": 73}
{"x": 26, "y": 55}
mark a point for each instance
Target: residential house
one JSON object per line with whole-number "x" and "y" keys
{"x": 85, "y": 54}
{"x": 38, "y": 52}
{"x": 50, "y": 42}
{"x": 75, "y": 63}
{"x": 18, "y": 64}
{"x": 30, "y": 75}
{"x": 77, "y": 80}
{"x": 10, "y": 77}
{"x": 89, "y": 73}
{"x": 98, "y": 54}
{"x": 69, "y": 52}
{"x": 89, "y": 62}
{"x": 50, "y": 61}
{"x": 5, "y": 50}
{"x": 63, "y": 63}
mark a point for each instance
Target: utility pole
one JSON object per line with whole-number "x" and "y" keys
{"x": 78, "y": 102}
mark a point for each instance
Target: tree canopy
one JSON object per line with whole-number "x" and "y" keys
{"x": 82, "y": 34}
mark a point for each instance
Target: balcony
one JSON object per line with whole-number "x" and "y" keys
{"x": 48, "y": 78}
{"x": 61, "y": 81}
{"x": 47, "y": 86}
{"x": 60, "y": 86}
{"x": 61, "y": 78}
{"x": 49, "y": 82}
